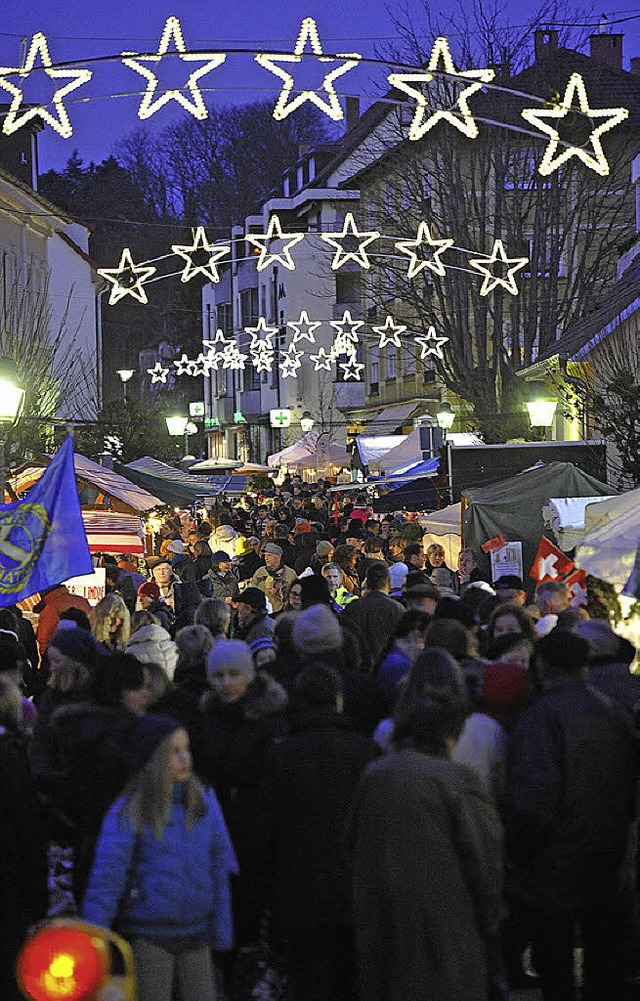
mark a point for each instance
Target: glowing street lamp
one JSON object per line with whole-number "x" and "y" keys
{"x": 306, "y": 422}
{"x": 541, "y": 406}
{"x": 445, "y": 416}
{"x": 125, "y": 374}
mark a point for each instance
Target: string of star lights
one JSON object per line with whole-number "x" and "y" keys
{"x": 492, "y": 279}
{"x": 594, "y": 160}
{"x": 350, "y": 236}
{"x": 414, "y": 249}
{"x": 127, "y": 279}
{"x": 172, "y": 32}
{"x": 201, "y": 244}
{"x": 308, "y": 38}
{"x": 274, "y": 232}
{"x": 60, "y": 121}
{"x": 441, "y": 60}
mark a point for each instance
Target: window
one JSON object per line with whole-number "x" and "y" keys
{"x": 348, "y": 288}
{"x": 409, "y": 360}
{"x": 249, "y": 307}
{"x": 263, "y": 300}
{"x": 391, "y": 362}
{"x": 224, "y": 318}
{"x": 374, "y": 372}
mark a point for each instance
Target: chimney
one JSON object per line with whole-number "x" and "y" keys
{"x": 352, "y": 108}
{"x": 634, "y": 65}
{"x": 607, "y": 49}
{"x": 545, "y": 43}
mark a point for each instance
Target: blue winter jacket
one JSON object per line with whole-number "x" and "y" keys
{"x": 175, "y": 887}
{"x": 392, "y": 670}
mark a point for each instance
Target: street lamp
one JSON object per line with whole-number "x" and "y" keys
{"x": 306, "y": 422}
{"x": 541, "y": 406}
{"x": 125, "y": 374}
{"x": 445, "y": 416}
{"x": 177, "y": 428}
{"x": 12, "y": 394}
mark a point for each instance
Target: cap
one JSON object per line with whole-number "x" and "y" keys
{"x": 148, "y": 734}
{"x": 149, "y": 589}
{"x": 510, "y": 582}
{"x": 220, "y": 557}
{"x": 231, "y": 654}
{"x": 425, "y": 590}
{"x": 603, "y": 641}
{"x": 255, "y": 598}
{"x": 563, "y": 650}
{"x": 271, "y": 547}
{"x": 76, "y": 643}
{"x": 324, "y": 548}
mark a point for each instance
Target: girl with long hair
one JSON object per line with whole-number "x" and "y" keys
{"x": 111, "y": 622}
{"x": 162, "y": 868}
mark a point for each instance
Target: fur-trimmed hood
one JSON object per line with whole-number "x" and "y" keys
{"x": 264, "y": 697}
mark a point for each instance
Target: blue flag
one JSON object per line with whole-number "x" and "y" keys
{"x": 42, "y": 538}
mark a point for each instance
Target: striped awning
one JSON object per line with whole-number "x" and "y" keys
{"x": 113, "y": 533}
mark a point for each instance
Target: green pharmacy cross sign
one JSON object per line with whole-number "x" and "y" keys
{"x": 280, "y": 418}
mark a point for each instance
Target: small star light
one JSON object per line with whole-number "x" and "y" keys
{"x": 389, "y": 333}
{"x": 274, "y": 232}
{"x": 431, "y": 344}
{"x": 218, "y": 341}
{"x": 60, "y": 122}
{"x": 595, "y": 160}
{"x": 200, "y": 243}
{"x": 291, "y": 361}
{"x": 127, "y": 279}
{"x": 158, "y": 373}
{"x": 196, "y": 105}
{"x": 321, "y": 361}
{"x": 442, "y": 61}
{"x": 184, "y": 366}
{"x": 352, "y": 369}
{"x": 351, "y": 233}
{"x": 262, "y": 360}
{"x": 491, "y": 280}
{"x": 232, "y": 357}
{"x": 304, "y": 328}
{"x": 308, "y": 34}
{"x": 346, "y": 334}
{"x": 203, "y": 364}
{"x": 258, "y": 342}
{"x": 418, "y": 262}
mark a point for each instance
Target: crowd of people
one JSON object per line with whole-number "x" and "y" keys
{"x": 296, "y": 751}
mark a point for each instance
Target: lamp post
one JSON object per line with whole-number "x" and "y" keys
{"x": 12, "y": 394}
{"x": 177, "y": 428}
{"x": 540, "y": 405}
{"x": 445, "y": 416}
{"x": 306, "y": 422}
{"x": 125, "y": 374}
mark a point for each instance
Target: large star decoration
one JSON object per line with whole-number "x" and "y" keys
{"x": 200, "y": 243}
{"x": 347, "y": 335}
{"x": 184, "y": 365}
{"x": 322, "y": 361}
{"x": 350, "y": 232}
{"x": 304, "y": 328}
{"x": 352, "y": 369}
{"x": 127, "y": 279}
{"x": 485, "y": 266}
{"x": 261, "y": 335}
{"x": 594, "y": 159}
{"x": 414, "y": 250}
{"x": 150, "y": 103}
{"x": 431, "y": 344}
{"x": 60, "y": 121}
{"x": 441, "y": 61}
{"x": 291, "y": 361}
{"x": 329, "y": 105}
{"x": 218, "y": 341}
{"x": 389, "y": 332}
{"x": 158, "y": 373}
{"x": 274, "y": 232}
{"x": 232, "y": 357}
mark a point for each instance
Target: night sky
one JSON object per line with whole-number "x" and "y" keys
{"x": 80, "y": 30}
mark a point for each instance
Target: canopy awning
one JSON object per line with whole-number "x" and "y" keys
{"x": 217, "y": 464}
{"x": 388, "y": 420}
{"x": 113, "y": 533}
{"x": 371, "y": 450}
{"x": 178, "y": 488}
{"x": 107, "y": 481}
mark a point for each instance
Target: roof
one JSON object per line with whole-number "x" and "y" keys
{"x": 107, "y": 481}
{"x": 50, "y": 208}
{"x": 176, "y": 487}
{"x": 622, "y": 299}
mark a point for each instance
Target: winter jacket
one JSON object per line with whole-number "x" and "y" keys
{"x": 223, "y": 585}
{"x": 166, "y": 615}
{"x": 392, "y": 670}
{"x": 570, "y": 796}
{"x": 616, "y": 681}
{"x": 153, "y": 645}
{"x": 50, "y": 607}
{"x": 178, "y": 886}
{"x": 259, "y": 626}
{"x": 376, "y": 615}
{"x": 275, "y": 584}
{"x": 314, "y": 774}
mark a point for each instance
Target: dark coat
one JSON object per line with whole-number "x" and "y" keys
{"x": 248, "y": 564}
{"x": 616, "y": 681}
{"x": 231, "y": 746}
{"x": 427, "y": 867}
{"x": 570, "y": 796}
{"x": 315, "y": 772}
{"x": 376, "y": 615}
{"x": 223, "y": 585}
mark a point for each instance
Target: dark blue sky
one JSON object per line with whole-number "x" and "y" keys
{"x": 78, "y": 30}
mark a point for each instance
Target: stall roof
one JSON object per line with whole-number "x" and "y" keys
{"x": 392, "y": 417}
{"x": 609, "y": 550}
{"x": 176, "y": 487}
{"x": 371, "y": 449}
{"x": 106, "y": 480}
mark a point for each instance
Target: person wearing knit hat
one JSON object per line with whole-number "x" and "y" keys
{"x": 562, "y": 653}
{"x": 148, "y": 593}
{"x": 148, "y": 732}
{"x": 317, "y": 631}
{"x": 76, "y": 644}
{"x": 302, "y": 526}
{"x": 230, "y": 669}
{"x": 263, "y": 651}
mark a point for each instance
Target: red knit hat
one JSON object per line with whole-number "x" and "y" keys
{"x": 150, "y": 589}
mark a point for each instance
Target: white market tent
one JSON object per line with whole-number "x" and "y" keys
{"x": 304, "y": 453}
{"x": 444, "y": 527}
{"x": 608, "y": 549}
{"x": 371, "y": 449}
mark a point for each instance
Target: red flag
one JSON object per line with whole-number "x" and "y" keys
{"x": 577, "y": 584}
{"x": 550, "y": 562}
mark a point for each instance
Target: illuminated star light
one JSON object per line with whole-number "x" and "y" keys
{"x": 61, "y": 123}
{"x": 218, "y": 341}
{"x": 390, "y": 332}
{"x": 491, "y": 281}
{"x": 350, "y": 232}
{"x": 257, "y": 341}
{"x": 352, "y": 369}
{"x": 431, "y": 344}
{"x": 322, "y": 361}
{"x": 203, "y": 364}
{"x": 291, "y": 361}
{"x": 208, "y": 270}
{"x": 127, "y": 270}
{"x": 346, "y": 334}
{"x": 196, "y": 105}
{"x": 412, "y": 247}
{"x": 441, "y": 60}
{"x": 304, "y": 328}
{"x": 274, "y": 232}
{"x": 158, "y": 373}
{"x": 184, "y": 365}
{"x": 233, "y": 358}
{"x": 284, "y": 106}
{"x": 596, "y": 160}
{"x": 262, "y": 360}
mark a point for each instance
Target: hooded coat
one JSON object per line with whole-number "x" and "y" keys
{"x": 152, "y": 645}
{"x": 427, "y": 868}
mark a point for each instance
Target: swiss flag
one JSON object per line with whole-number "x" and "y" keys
{"x": 550, "y": 563}
{"x": 577, "y": 584}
